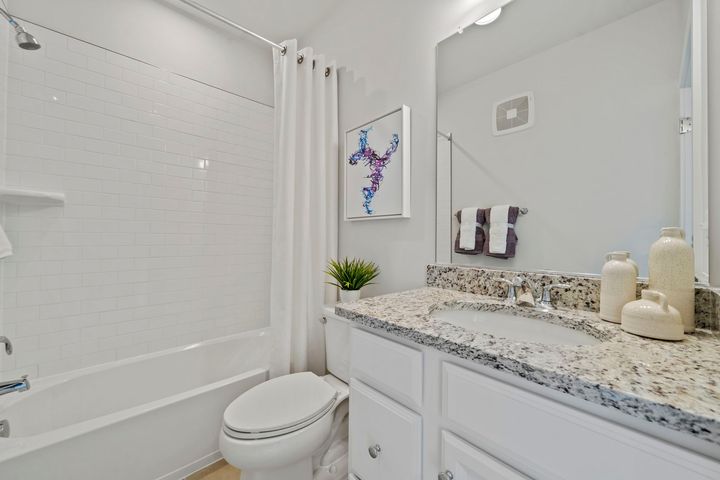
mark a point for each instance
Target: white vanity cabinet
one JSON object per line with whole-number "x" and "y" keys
{"x": 434, "y": 416}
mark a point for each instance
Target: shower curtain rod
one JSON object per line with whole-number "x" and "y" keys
{"x": 217, "y": 16}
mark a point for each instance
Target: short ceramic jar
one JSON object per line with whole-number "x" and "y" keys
{"x": 672, "y": 272}
{"x": 652, "y": 317}
{"x": 618, "y": 285}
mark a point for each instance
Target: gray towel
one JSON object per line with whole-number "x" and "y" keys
{"x": 479, "y": 235}
{"x": 512, "y": 238}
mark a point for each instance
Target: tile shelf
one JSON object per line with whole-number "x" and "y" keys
{"x": 24, "y": 196}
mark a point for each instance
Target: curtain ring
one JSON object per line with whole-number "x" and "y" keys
{"x": 327, "y": 71}
{"x": 283, "y": 50}
{"x": 313, "y": 64}
{"x": 301, "y": 58}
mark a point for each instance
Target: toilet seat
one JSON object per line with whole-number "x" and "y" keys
{"x": 279, "y": 406}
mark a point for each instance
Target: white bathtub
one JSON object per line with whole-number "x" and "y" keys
{"x": 152, "y": 417}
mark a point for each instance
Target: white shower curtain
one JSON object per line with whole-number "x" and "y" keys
{"x": 305, "y": 207}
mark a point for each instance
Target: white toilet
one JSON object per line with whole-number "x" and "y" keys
{"x": 294, "y": 427}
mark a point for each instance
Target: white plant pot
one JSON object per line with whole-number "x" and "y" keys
{"x": 349, "y": 296}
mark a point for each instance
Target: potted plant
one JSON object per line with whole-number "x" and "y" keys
{"x": 350, "y": 276}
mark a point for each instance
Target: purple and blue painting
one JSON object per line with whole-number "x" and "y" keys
{"x": 377, "y": 164}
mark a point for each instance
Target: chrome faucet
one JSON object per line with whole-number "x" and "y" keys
{"x": 19, "y": 385}
{"x": 544, "y": 302}
{"x": 513, "y": 285}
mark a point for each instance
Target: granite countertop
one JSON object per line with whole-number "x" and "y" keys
{"x": 673, "y": 384}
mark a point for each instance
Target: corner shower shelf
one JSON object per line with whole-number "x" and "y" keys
{"x": 22, "y": 196}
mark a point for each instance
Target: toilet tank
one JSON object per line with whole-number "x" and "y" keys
{"x": 337, "y": 345}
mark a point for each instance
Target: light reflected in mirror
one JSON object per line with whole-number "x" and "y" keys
{"x": 573, "y": 109}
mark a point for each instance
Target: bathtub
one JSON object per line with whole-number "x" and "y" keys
{"x": 151, "y": 417}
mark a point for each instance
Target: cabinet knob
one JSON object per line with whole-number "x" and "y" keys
{"x": 446, "y": 475}
{"x": 374, "y": 451}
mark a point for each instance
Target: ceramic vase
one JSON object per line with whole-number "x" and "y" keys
{"x": 349, "y": 296}
{"x": 671, "y": 269}
{"x": 618, "y": 285}
{"x": 634, "y": 263}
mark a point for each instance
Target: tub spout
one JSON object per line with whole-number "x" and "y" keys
{"x": 19, "y": 385}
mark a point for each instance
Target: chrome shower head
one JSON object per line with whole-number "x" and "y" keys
{"x": 24, "y": 40}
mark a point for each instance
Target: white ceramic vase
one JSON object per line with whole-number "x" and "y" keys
{"x": 349, "y": 296}
{"x": 652, "y": 317}
{"x": 671, "y": 269}
{"x": 618, "y": 285}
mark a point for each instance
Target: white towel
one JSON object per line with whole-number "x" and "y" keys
{"x": 468, "y": 226}
{"x": 5, "y": 246}
{"x": 499, "y": 228}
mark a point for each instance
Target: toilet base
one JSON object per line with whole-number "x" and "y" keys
{"x": 302, "y": 470}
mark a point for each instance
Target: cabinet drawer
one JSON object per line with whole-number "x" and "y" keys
{"x": 392, "y": 368}
{"x": 391, "y": 430}
{"x": 548, "y": 440}
{"x": 462, "y": 461}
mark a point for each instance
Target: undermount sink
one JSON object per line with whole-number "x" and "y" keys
{"x": 514, "y": 327}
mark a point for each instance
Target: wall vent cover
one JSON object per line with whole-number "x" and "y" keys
{"x": 514, "y": 114}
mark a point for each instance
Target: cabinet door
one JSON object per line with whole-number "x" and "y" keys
{"x": 462, "y": 461}
{"x": 385, "y": 437}
{"x": 550, "y": 441}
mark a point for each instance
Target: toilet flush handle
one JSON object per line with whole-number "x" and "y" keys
{"x": 374, "y": 451}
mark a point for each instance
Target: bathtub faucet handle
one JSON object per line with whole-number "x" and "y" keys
{"x": 8, "y": 345}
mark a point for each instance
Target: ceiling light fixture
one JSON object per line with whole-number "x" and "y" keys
{"x": 489, "y": 18}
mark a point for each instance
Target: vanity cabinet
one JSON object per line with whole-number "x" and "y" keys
{"x": 434, "y": 416}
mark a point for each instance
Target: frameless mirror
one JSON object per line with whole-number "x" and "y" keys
{"x": 592, "y": 115}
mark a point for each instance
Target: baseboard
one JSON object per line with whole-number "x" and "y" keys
{"x": 193, "y": 467}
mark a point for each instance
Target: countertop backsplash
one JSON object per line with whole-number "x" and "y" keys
{"x": 584, "y": 293}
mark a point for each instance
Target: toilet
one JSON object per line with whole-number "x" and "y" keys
{"x": 294, "y": 427}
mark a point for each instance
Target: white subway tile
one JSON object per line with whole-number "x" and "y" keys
{"x": 163, "y": 238}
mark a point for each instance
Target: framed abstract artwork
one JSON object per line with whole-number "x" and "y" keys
{"x": 377, "y": 168}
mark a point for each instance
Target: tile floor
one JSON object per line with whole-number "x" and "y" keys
{"x": 217, "y": 471}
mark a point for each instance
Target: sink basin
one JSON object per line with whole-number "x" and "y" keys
{"x": 513, "y": 327}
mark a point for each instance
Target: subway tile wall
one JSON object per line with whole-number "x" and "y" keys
{"x": 164, "y": 239}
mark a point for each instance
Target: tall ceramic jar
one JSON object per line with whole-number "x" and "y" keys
{"x": 618, "y": 285}
{"x": 672, "y": 272}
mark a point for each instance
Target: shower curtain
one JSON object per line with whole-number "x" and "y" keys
{"x": 305, "y": 212}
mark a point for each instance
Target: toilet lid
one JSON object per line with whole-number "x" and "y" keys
{"x": 279, "y": 406}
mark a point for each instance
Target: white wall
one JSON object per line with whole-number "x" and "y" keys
{"x": 164, "y": 237}
{"x": 387, "y": 50}
{"x": 599, "y": 170}
{"x": 163, "y": 34}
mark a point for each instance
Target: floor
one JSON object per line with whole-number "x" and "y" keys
{"x": 217, "y": 471}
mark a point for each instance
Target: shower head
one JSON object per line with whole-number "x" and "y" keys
{"x": 24, "y": 39}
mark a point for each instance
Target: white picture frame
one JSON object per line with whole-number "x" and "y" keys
{"x": 377, "y": 178}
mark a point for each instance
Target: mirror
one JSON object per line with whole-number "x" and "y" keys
{"x": 590, "y": 115}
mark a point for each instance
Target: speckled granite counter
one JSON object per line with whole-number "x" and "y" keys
{"x": 671, "y": 384}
